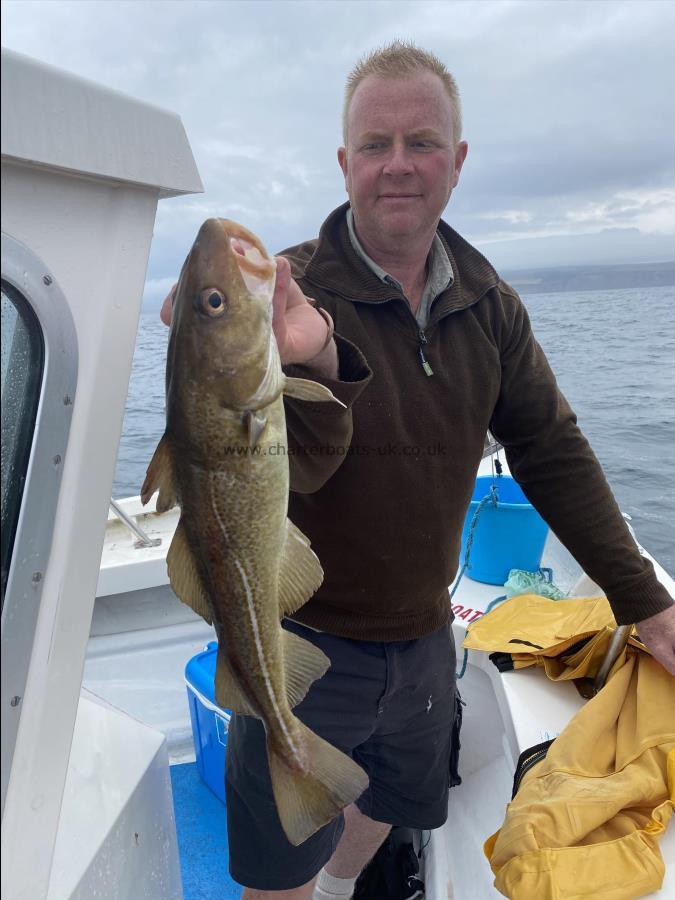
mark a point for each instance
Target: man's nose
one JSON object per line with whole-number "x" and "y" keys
{"x": 399, "y": 161}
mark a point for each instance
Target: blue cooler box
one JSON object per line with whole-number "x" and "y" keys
{"x": 209, "y": 721}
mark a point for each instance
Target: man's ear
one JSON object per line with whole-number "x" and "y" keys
{"x": 342, "y": 159}
{"x": 460, "y": 155}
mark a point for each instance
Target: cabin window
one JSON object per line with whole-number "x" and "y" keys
{"x": 22, "y": 369}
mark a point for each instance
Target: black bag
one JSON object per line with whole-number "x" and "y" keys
{"x": 455, "y": 778}
{"x": 392, "y": 874}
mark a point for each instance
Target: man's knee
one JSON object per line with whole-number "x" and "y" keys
{"x": 359, "y": 826}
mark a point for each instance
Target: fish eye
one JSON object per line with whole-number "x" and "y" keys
{"x": 212, "y": 302}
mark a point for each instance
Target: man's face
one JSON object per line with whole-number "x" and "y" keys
{"x": 400, "y": 163}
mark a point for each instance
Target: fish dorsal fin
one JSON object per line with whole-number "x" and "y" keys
{"x": 160, "y": 477}
{"x": 300, "y": 572}
{"x": 303, "y": 389}
{"x": 228, "y": 693}
{"x": 303, "y": 665}
{"x": 254, "y": 424}
{"x": 184, "y": 577}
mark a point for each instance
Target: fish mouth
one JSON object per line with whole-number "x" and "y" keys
{"x": 249, "y": 251}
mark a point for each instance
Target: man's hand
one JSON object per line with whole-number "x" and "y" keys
{"x": 299, "y": 329}
{"x": 657, "y": 633}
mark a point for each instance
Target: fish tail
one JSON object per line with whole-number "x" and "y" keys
{"x": 307, "y": 800}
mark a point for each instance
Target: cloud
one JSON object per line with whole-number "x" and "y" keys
{"x": 156, "y": 290}
{"x": 650, "y": 211}
{"x": 564, "y": 108}
{"x": 607, "y": 247}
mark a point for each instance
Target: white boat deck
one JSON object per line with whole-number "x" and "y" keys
{"x": 142, "y": 637}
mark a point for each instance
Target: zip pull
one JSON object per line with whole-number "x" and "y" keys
{"x": 425, "y": 362}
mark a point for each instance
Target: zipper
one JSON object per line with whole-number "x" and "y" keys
{"x": 528, "y": 759}
{"x": 425, "y": 362}
{"x": 421, "y": 335}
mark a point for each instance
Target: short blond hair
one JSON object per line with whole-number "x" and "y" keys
{"x": 396, "y": 60}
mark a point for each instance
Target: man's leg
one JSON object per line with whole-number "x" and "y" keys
{"x": 340, "y": 707}
{"x": 359, "y": 842}
{"x": 300, "y": 893}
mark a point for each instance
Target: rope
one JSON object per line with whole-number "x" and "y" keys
{"x": 494, "y": 497}
{"x": 465, "y": 660}
{"x": 491, "y": 496}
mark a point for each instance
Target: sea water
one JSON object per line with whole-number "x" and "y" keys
{"x": 613, "y": 353}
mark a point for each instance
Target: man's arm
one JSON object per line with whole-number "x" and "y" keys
{"x": 319, "y": 434}
{"x": 559, "y": 473}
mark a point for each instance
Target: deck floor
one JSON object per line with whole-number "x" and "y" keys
{"x": 202, "y": 837}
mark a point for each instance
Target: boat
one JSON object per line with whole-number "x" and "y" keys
{"x": 95, "y": 715}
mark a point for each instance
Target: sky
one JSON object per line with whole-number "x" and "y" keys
{"x": 568, "y": 111}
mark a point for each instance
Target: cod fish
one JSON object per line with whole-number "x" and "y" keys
{"x": 235, "y": 558}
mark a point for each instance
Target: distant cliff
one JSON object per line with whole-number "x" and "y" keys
{"x": 591, "y": 278}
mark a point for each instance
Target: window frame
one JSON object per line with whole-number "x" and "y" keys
{"x": 23, "y": 437}
{"x": 28, "y": 275}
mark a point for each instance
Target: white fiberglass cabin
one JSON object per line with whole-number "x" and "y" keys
{"x": 94, "y": 707}
{"x": 86, "y": 797}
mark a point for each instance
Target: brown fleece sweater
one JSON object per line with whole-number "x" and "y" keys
{"x": 381, "y": 489}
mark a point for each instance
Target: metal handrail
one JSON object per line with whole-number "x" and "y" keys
{"x": 587, "y": 688}
{"x": 616, "y": 645}
{"x": 490, "y": 446}
{"x": 143, "y": 539}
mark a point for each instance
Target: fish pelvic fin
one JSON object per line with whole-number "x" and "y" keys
{"x": 303, "y": 389}
{"x": 300, "y": 572}
{"x": 228, "y": 693}
{"x": 160, "y": 476}
{"x": 303, "y": 665}
{"x": 254, "y": 424}
{"x": 184, "y": 577}
{"x": 308, "y": 800}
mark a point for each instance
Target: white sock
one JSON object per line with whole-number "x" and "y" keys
{"x": 328, "y": 887}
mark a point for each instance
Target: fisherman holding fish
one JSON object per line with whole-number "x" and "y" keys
{"x": 396, "y": 316}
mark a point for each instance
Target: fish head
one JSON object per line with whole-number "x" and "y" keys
{"x": 221, "y": 332}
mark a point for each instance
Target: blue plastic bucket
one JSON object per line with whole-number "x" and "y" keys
{"x": 510, "y": 535}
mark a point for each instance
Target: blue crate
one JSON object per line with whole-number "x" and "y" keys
{"x": 209, "y": 722}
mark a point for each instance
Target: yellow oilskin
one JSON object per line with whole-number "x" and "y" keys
{"x": 585, "y": 821}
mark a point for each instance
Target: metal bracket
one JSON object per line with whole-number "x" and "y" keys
{"x": 143, "y": 540}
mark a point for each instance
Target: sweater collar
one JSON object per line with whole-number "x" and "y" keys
{"x": 336, "y": 266}
{"x": 440, "y": 275}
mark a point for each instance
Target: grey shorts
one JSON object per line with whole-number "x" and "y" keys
{"x": 391, "y": 707}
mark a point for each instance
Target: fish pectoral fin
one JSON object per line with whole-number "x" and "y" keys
{"x": 300, "y": 572}
{"x": 228, "y": 693}
{"x": 307, "y": 800}
{"x": 303, "y": 389}
{"x": 160, "y": 476}
{"x": 184, "y": 577}
{"x": 303, "y": 665}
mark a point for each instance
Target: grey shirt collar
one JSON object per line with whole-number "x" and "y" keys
{"x": 440, "y": 275}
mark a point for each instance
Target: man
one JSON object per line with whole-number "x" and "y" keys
{"x": 431, "y": 349}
